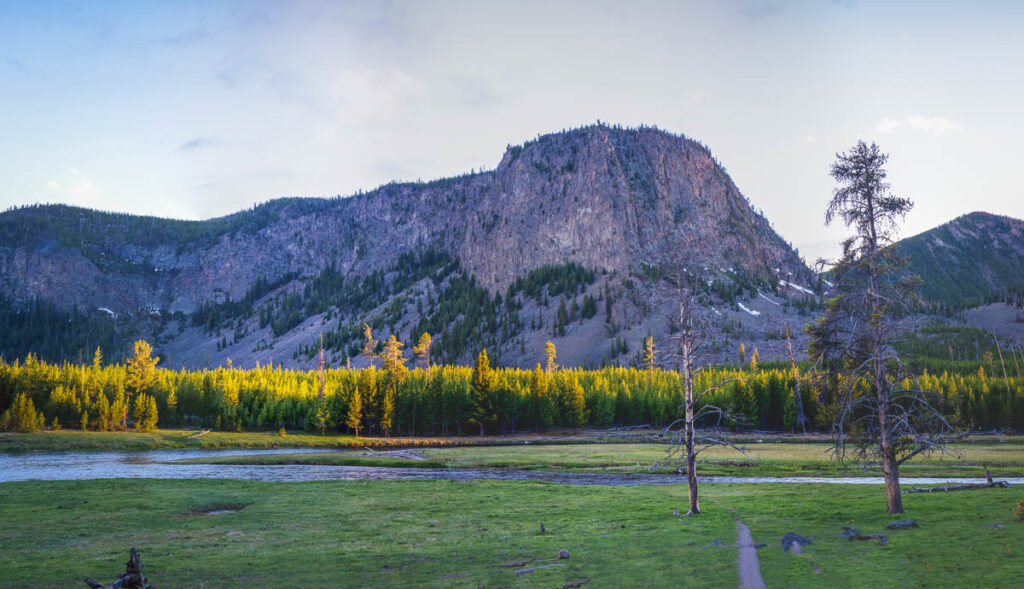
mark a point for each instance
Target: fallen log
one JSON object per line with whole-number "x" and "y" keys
{"x": 966, "y": 487}
{"x": 200, "y": 434}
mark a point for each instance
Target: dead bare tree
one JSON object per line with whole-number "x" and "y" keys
{"x": 801, "y": 419}
{"x": 883, "y": 414}
{"x": 685, "y": 440}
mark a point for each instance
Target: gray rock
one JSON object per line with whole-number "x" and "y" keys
{"x": 902, "y": 524}
{"x": 790, "y": 540}
{"x": 563, "y": 554}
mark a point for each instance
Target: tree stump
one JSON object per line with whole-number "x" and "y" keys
{"x": 131, "y": 578}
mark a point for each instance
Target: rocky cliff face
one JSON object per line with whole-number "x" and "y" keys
{"x": 621, "y": 202}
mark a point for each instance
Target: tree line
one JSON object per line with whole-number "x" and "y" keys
{"x": 391, "y": 399}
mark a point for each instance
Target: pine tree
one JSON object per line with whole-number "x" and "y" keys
{"x": 141, "y": 368}
{"x": 550, "y": 352}
{"x": 354, "y": 417}
{"x": 649, "y": 355}
{"x": 754, "y": 357}
{"x": 387, "y": 407}
{"x": 322, "y": 416}
{"x": 369, "y": 350}
{"x": 394, "y": 361}
{"x": 22, "y": 416}
{"x": 482, "y": 386}
{"x": 576, "y": 407}
{"x": 144, "y": 413}
{"x": 422, "y": 350}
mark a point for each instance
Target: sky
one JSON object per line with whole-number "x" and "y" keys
{"x": 199, "y": 109}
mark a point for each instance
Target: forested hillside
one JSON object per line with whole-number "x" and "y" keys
{"x": 972, "y": 260}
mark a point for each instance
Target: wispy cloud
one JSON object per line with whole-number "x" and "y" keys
{"x": 196, "y": 144}
{"x": 75, "y": 188}
{"x": 887, "y": 125}
{"x": 934, "y": 125}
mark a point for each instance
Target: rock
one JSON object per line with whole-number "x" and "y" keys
{"x": 716, "y": 542}
{"x": 796, "y": 548}
{"x": 850, "y": 532}
{"x": 759, "y": 545}
{"x": 902, "y": 524}
{"x": 563, "y": 554}
{"x": 790, "y": 540}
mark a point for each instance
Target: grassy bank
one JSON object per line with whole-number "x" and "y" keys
{"x": 384, "y": 533}
{"x": 778, "y": 459}
{"x": 55, "y": 441}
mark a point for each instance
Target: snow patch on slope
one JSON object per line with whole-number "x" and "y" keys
{"x": 754, "y": 313}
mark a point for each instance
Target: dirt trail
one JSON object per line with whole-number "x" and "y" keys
{"x": 750, "y": 566}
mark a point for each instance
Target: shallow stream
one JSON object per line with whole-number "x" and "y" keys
{"x": 158, "y": 464}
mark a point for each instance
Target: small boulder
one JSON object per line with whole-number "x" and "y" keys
{"x": 563, "y": 554}
{"x": 902, "y": 524}
{"x": 790, "y": 540}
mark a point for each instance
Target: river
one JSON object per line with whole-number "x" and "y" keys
{"x": 159, "y": 464}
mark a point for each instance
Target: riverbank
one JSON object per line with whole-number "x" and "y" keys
{"x": 162, "y": 439}
{"x": 383, "y": 533}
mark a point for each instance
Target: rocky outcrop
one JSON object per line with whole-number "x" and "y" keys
{"x": 603, "y": 197}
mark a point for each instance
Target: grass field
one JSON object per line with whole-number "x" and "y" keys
{"x": 768, "y": 459}
{"x": 442, "y": 533}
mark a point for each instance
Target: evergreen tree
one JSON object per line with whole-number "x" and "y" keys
{"x": 550, "y": 352}
{"x": 354, "y": 417}
{"x": 483, "y": 384}
{"x": 22, "y": 416}
{"x": 141, "y": 370}
{"x": 144, "y": 413}
{"x": 394, "y": 361}
{"x": 387, "y": 407}
{"x": 422, "y": 350}
{"x": 322, "y": 417}
{"x": 369, "y": 350}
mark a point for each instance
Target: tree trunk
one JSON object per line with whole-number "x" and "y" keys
{"x": 893, "y": 498}
{"x": 691, "y": 463}
{"x": 691, "y": 456}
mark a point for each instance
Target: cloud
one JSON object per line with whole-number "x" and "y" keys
{"x": 371, "y": 95}
{"x": 196, "y": 144}
{"x": 75, "y": 188}
{"x": 934, "y": 125}
{"x": 887, "y": 125}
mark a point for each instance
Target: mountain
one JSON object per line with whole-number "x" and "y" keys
{"x": 974, "y": 259}
{"x": 572, "y": 237}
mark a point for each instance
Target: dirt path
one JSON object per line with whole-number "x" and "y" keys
{"x": 750, "y": 566}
